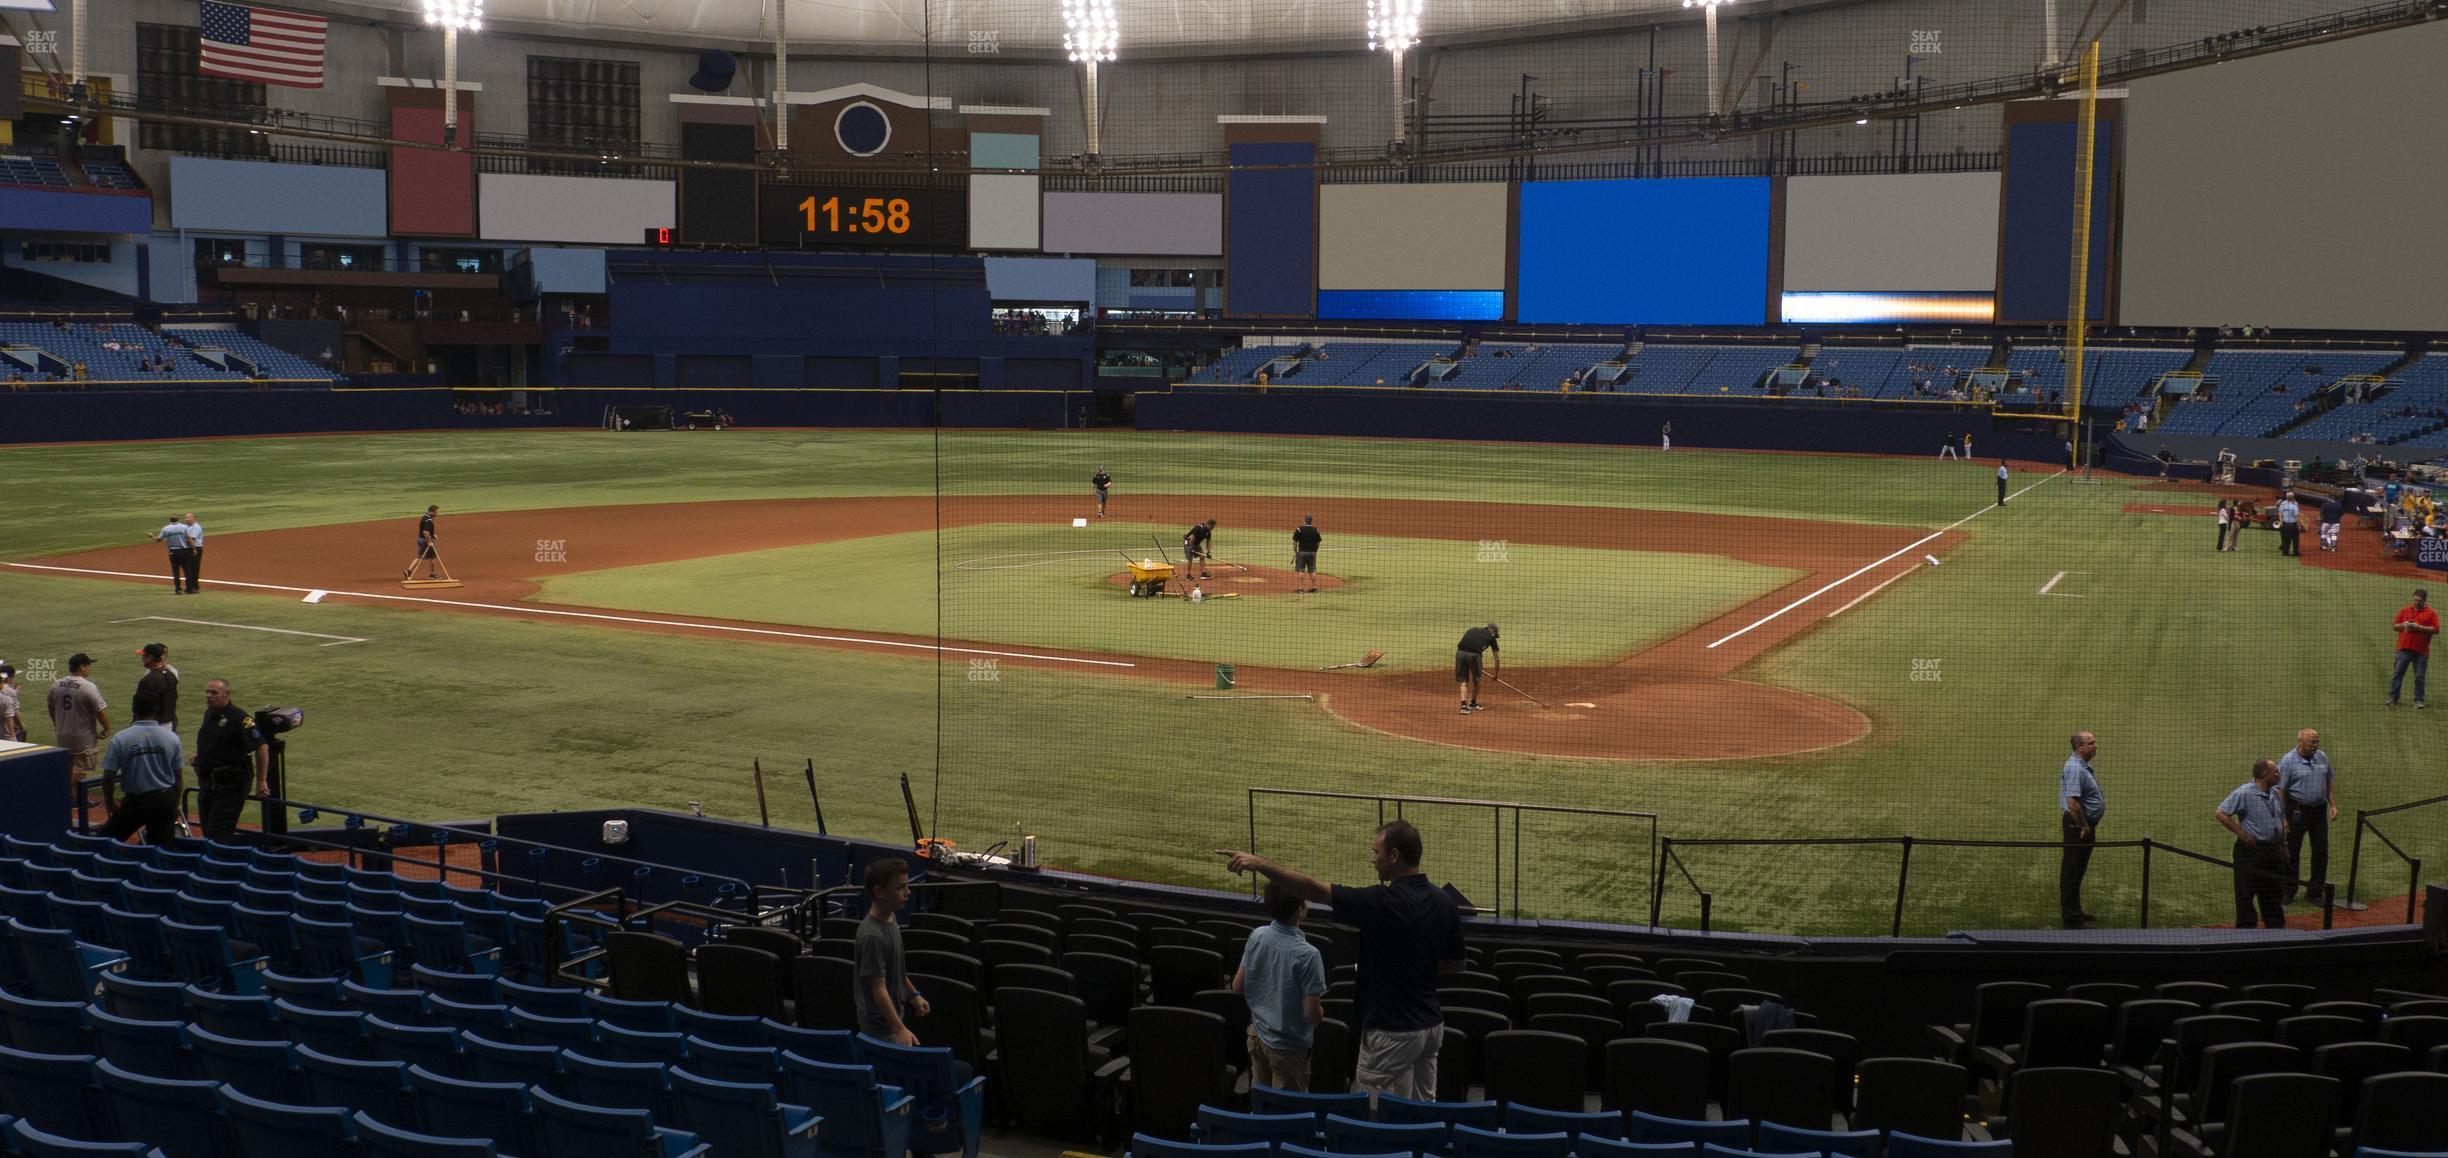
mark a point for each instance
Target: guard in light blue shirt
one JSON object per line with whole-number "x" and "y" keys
{"x": 2310, "y": 788}
{"x": 146, "y": 757}
{"x": 1283, "y": 977}
{"x": 2256, "y": 813}
{"x": 2080, "y": 808}
{"x": 2290, "y": 526}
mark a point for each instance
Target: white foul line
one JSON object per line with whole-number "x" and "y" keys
{"x": 600, "y": 617}
{"x": 1873, "y": 591}
{"x": 336, "y": 640}
{"x": 1870, "y": 566}
{"x": 2044, "y": 588}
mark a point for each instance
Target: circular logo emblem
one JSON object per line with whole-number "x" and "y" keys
{"x": 861, "y": 129}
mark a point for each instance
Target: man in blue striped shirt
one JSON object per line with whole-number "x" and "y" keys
{"x": 2256, "y": 814}
{"x": 174, "y": 535}
{"x": 2080, "y": 808}
{"x": 146, "y": 757}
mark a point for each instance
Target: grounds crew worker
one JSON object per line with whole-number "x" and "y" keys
{"x": 228, "y": 748}
{"x": 1304, "y": 553}
{"x": 1467, "y": 661}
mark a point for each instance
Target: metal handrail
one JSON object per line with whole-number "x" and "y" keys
{"x": 2354, "y": 859}
{"x": 1497, "y": 810}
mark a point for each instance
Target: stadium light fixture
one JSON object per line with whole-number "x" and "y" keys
{"x": 1393, "y": 26}
{"x": 1709, "y": 8}
{"x": 452, "y": 17}
{"x": 1091, "y": 33}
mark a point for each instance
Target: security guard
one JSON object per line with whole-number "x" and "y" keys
{"x": 230, "y": 756}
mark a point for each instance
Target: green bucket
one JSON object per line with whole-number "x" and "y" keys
{"x": 1224, "y": 677}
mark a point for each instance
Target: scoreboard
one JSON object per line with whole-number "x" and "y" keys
{"x": 862, "y": 215}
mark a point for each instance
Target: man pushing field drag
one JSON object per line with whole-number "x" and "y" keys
{"x": 1467, "y": 663}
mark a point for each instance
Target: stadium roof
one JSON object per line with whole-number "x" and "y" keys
{"x": 1023, "y": 26}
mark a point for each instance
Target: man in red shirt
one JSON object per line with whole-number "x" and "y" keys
{"x": 2416, "y": 624}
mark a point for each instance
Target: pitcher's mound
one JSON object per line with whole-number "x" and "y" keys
{"x": 1254, "y": 581}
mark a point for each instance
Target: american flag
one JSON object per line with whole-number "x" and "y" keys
{"x": 263, "y": 45}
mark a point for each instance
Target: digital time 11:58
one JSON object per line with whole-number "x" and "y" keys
{"x": 872, "y": 215}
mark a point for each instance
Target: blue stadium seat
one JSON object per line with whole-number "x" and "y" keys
{"x": 181, "y": 1115}
{"x": 376, "y": 1140}
{"x": 1227, "y": 1128}
{"x": 723, "y": 1028}
{"x": 55, "y": 963}
{"x": 1596, "y": 1147}
{"x": 492, "y": 1060}
{"x": 87, "y": 886}
{"x": 337, "y": 1032}
{"x": 486, "y": 1018}
{"x": 39, "y": 1026}
{"x": 84, "y": 919}
{"x": 1356, "y": 1135}
{"x": 265, "y": 1127}
{"x": 835, "y": 1046}
{"x": 549, "y": 1000}
{"x": 949, "y": 1115}
{"x": 1291, "y": 1151}
{"x": 743, "y": 1118}
{"x": 220, "y": 913}
{"x": 645, "y": 1016}
{"x": 139, "y": 935}
{"x": 1269, "y": 1100}
{"x": 154, "y": 1048}
{"x": 1715, "y": 1150}
{"x": 202, "y": 955}
{"x": 27, "y": 906}
{"x": 1473, "y": 1142}
{"x": 333, "y": 949}
{"x": 263, "y": 1069}
{"x": 55, "y": 1092}
{"x": 757, "y": 1065}
{"x": 614, "y": 1043}
{"x": 436, "y": 1047}
{"x": 1646, "y": 1127}
{"x": 1521, "y": 1119}
{"x": 1485, "y": 1115}
{"x": 25, "y": 1139}
{"x": 307, "y": 992}
{"x": 452, "y": 1106}
{"x": 400, "y": 1005}
{"x": 859, "y": 1119}
{"x": 535, "y": 1029}
{"x": 376, "y": 1088}
{"x": 569, "y": 1129}
{"x": 227, "y": 1014}
{"x": 446, "y": 945}
{"x": 1777, "y": 1139}
{"x": 1149, "y": 1146}
{"x": 597, "y": 1082}
{"x": 1903, "y": 1145}
{"x": 144, "y": 1000}
{"x": 473, "y": 987}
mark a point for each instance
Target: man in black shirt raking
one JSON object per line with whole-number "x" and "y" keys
{"x": 1103, "y": 482}
{"x": 426, "y": 538}
{"x": 1196, "y": 548}
{"x": 1304, "y": 553}
{"x": 1467, "y": 663}
{"x": 1410, "y": 930}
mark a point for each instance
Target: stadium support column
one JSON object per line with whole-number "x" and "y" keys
{"x": 781, "y": 85}
{"x": 1399, "y": 120}
{"x": 76, "y": 46}
{"x": 1716, "y": 95}
{"x": 2048, "y": 46}
{"x": 451, "y": 16}
{"x": 1088, "y": 103}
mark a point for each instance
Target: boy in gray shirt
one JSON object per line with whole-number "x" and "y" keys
{"x": 882, "y": 987}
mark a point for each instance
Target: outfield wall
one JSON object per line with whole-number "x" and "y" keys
{"x": 1587, "y": 418}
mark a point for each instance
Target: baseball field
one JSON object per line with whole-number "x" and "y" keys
{"x": 1743, "y": 645}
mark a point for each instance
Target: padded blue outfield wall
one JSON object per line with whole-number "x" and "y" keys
{"x": 1601, "y": 419}
{"x": 73, "y": 417}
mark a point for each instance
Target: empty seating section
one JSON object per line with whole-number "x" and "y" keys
{"x": 1666, "y": 369}
{"x": 112, "y": 352}
{"x": 270, "y": 361}
{"x": 2413, "y": 401}
{"x": 2247, "y": 384}
{"x": 1242, "y": 364}
{"x": 111, "y": 175}
{"x": 2110, "y": 373}
{"x": 1867, "y": 369}
{"x": 37, "y": 172}
{"x": 1366, "y": 363}
{"x": 1503, "y": 365}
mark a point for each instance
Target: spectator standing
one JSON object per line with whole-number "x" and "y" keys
{"x": 145, "y": 756}
{"x": 159, "y": 682}
{"x": 883, "y": 989}
{"x": 12, "y": 718}
{"x": 2001, "y": 482}
{"x": 2223, "y": 518}
{"x": 2256, "y": 814}
{"x": 79, "y": 718}
{"x": 2310, "y": 788}
{"x": 228, "y": 748}
{"x": 1283, "y": 978}
{"x": 1409, "y": 930}
{"x": 2332, "y": 513}
{"x": 2290, "y": 526}
{"x": 1304, "y": 553}
{"x": 2416, "y": 624}
{"x": 173, "y": 535}
{"x": 195, "y": 549}
{"x": 2081, "y": 807}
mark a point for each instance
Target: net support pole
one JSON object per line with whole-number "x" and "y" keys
{"x": 2078, "y": 289}
{"x": 781, "y": 84}
{"x": 450, "y": 83}
{"x": 1088, "y": 101}
{"x": 1709, "y": 15}
{"x": 76, "y": 42}
{"x": 1400, "y": 121}
{"x": 2048, "y": 44}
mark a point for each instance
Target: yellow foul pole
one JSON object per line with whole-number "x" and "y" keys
{"x": 2078, "y": 293}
